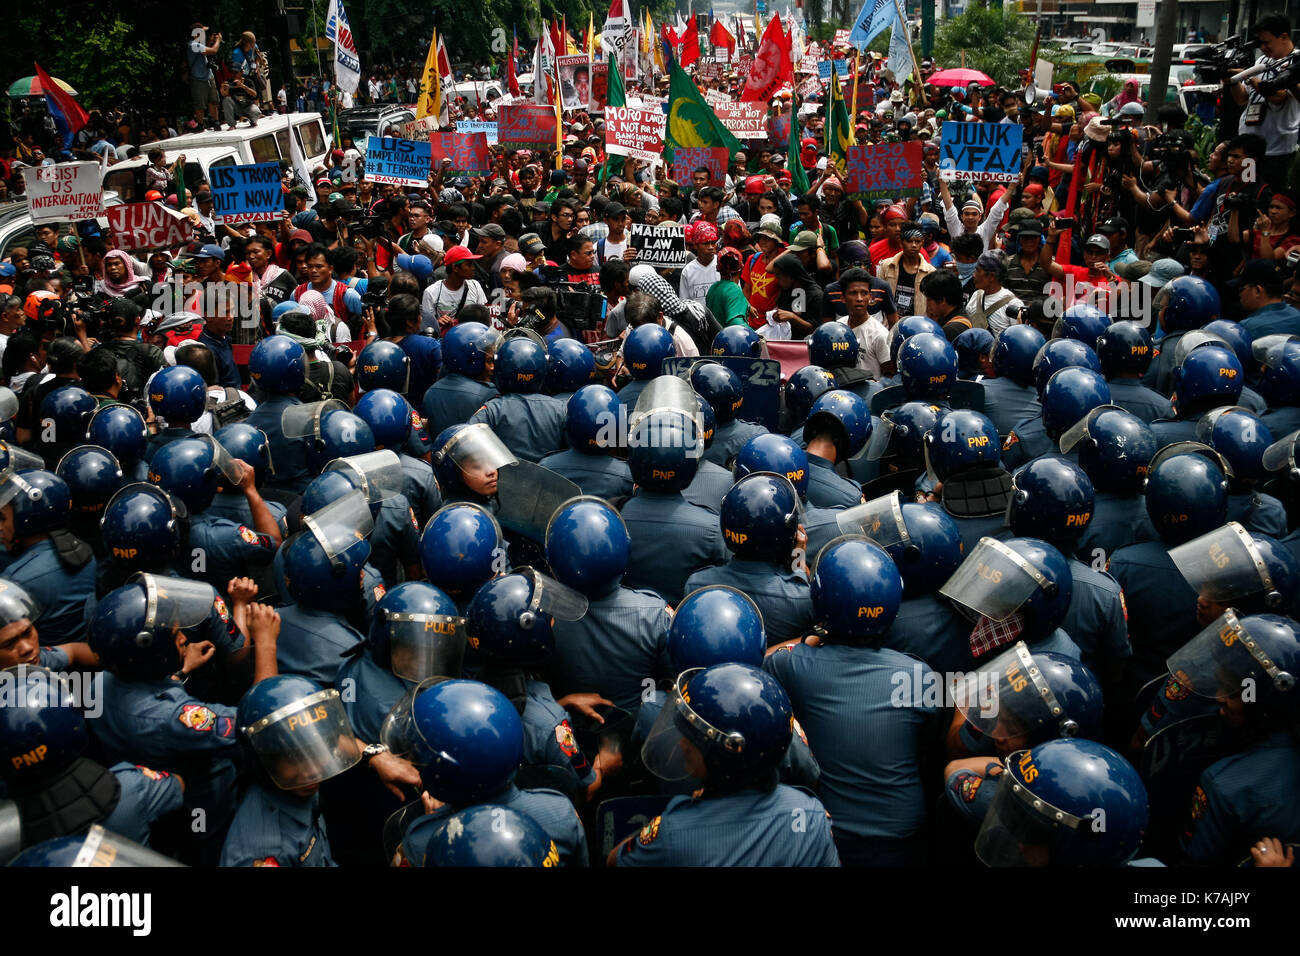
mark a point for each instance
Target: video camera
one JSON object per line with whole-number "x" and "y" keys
{"x": 59, "y": 315}
{"x": 1225, "y": 58}
{"x": 579, "y": 306}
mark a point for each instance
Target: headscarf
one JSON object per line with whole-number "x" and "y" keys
{"x": 132, "y": 280}
{"x": 315, "y": 303}
{"x": 1129, "y": 94}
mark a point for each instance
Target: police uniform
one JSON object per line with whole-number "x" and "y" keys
{"x": 233, "y": 506}
{"x": 368, "y": 692}
{"x": 145, "y": 796}
{"x": 822, "y": 526}
{"x": 395, "y": 540}
{"x": 869, "y": 748}
{"x": 164, "y": 437}
{"x": 59, "y": 591}
{"x": 970, "y": 794}
{"x": 1007, "y": 403}
{"x": 548, "y": 736}
{"x": 54, "y": 658}
{"x": 671, "y": 539}
{"x": 630, "y": 392}
{"x": 1258, "y": 513}
{"x": 1252, "y": 401}
{"x": 420, "y": 486}
{"x": 274, "y": 827}
{"x": 292, "y": 475}
{"x": 827, "y": 488}
{"x": 1281, "y": 421}
{"x": 312, "y": 643}
{"x": 1058, "y": 642}
{"x": 972, "y": 529}
{"x": 1174, "y": 701}
{"x": 227, "y": 550}
{"x": 1161, "y": 604}
{"x": 1170, "y": 430}
{"x": 751, "y": 827}
{"x": 1117, "y": 521}
{"x": 452, "y": 400}
{"x": 601, "y": 475}
{"x": 619, "y": 644}
{"x": 1097, "y": 619}
{"x": 1028, "y": 440}
{"x": 709, "y": 486}
{"x": 783, "y": 596}
{"x": 1160, "y": 373}
{"x": 929, "y": 628}
{"x": 1138, "y": 400}
{"x": 530, "y": 425}
{"x": 728, "y": 439}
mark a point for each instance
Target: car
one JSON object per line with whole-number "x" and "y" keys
{"x": 375, "y": 120}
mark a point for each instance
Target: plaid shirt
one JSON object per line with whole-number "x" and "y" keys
{"x": 989, "y": 634}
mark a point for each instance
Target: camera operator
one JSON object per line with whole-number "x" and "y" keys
{"x": 1237, "y": 202}
{"x": 537, "y": 310}
{"x": 136, "y": 360}
{"x": 62, "y": 356}
{"x": 1270, "y": 112}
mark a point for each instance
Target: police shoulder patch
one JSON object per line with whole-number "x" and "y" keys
{"x": 564, "y": 737}
{"x": 153, "y": 774}
{"x": 969, "y": 786}
{"x": 414, "y": 523}
{"x": 220, "y": 606}
{"x": 197, "y": 717}
{"x": 1012, "y": 439}
{"x": 1176, "y": 689}
{"x": 248, "y": 534}
{"x": 266, "y": 861}
{"x": 1199, "y": 801}
{"x": 379, "y": 591}
{"x": 649, "y": 832}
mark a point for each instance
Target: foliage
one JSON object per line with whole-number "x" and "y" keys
{"x": 106, "y": 62}
{"x": 996, "y": 41}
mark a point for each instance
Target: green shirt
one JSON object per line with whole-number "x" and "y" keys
{"x": 727, "y": 302}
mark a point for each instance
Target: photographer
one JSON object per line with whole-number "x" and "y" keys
{"x": 1271, "y": 113}
{"x": 136, "y": 360}
{"x": 1237, "y": 202}
{"x": 203, "y": 83}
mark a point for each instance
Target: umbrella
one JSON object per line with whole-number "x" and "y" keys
{"x": 959, "y": 76}
{"x": 31, "y": 86}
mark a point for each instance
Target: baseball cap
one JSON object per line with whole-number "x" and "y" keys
{"x": 1257, "y": 272}
{"x": 490, "y": 231}
{"x": 1098, "y": 240}
{"x": 211, "y": 251}
{"x": 1163, "y": 271}
{"x": 530, "y": 244}
{"x": 299, "y": 235}
{"x": 458, "y": 254}
{"x": 804, "y": 241}
{"x": 541, "y": 208}
{"x": 1114, "y": 224}
{"x": 614, "y": 210}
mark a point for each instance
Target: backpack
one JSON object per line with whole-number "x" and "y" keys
{"x": 699, "y": 324}
{"x": 227, "y": 409}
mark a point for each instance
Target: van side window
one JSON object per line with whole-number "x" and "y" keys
{"x": 282, "y": 140}
{"x": 264, "y": 149}
{"x": 310, "y": 138}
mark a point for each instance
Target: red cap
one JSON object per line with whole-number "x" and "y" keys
{"x": 754, "y": 186}
{"x": 895, "y": 211}
{"x": 300, "y": 235}
{"x": 1034, "y": 189}
{"x": 458, "y": 254}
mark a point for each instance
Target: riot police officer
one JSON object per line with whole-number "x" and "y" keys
{"x": 397, "y": 428}
{"x": 1114, "y": 448}
{"x": 591, "y": 461}
{"x": 530, "y": 423}
{"x": 467, "y": 460}
{"x": 121, "y": 429}
{"x": 179, "y": 397}
{"x": 1010, "y": 396}
{"x": 1242, "y": 439}
{"x": 468, "y": 354}
{"x": 93, "y": 476}
{"x": 278, "y": 368}
{"x": 725, "y": 394}
{"x": 1190, "y": 303}
{"x": 1126, "y": 350}
{"x": 838, "y": 426}
{"x": 569, "y": 367}
{"x": 1069, "y": 395}
{"x": 461, "y": 548}
{"x": 644, "y": 351}
{"x": 965, "y": 470}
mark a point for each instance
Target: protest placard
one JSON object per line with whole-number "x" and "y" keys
{"x": 662, "y": 247}
{"x": 884, "y": 171}
{"x": 575, "y": 80}
{"x": 401, "y": 162}
{"x": 638, "y": 133}
{"x": 522, "y": 126}
{"x": 744, "y": 120}
{"x": 487, "y": 127}
{"x": 65, "y": 192}
{"x": 778, "y": 128}
{"x": 810, "y": 87}
{"x": 710, "y": 71}
{"x": 148, "y": 225}
{"x": 980, "y": 152}
{"x": 467, "y": 153}
{"x": 716, "y": 98}
{"x": 688, "y": 159}
{"x": 247, "y": 193}
{"x": 416, "y": 130}
{"x": 824, "y": 68}
{"x": 599, "y": 85}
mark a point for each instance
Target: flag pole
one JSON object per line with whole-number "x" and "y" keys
{"x": 857, "y": 70}
{"x": 916, "y": 67}
{"x": 559, "y": 107}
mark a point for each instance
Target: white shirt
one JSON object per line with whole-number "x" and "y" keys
{"x": 682, "y": 339}
{"x": 613, "y": 250}
{"x": 697, "y": 279}
{"x": 873, "y": 338}
{"x": 438, "y": 299}
{"x": 283, "y": 98}
{"x": 997, "y": 319}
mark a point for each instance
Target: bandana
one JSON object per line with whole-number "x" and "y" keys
{"x": 990, "y": 634}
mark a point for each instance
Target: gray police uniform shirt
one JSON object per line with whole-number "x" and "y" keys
{"x": 289, "y": 454}
{"x": 312, "y": 643}
{"x": 671, "y": 539}
{"x": 548, "y": 736}
{"x": 1161, "y": 604}
{"x": 630, "y": 392}
{"x": 971, "y": 794}
{"x": 1170, "y": 430}
{"x": 233, "y": 506}
{"x": 228, "y": 550}
{"x": 1281, "y": 421}
{"x": 747, "y": 828}
{"x": 1028, "y": 440}
{"x": 146, "y": 795}
{"x": 1255, "y": 511}
{"x": 929, "y": 627}
{"x": 1007, "y": 403}
{"x": 1160, "y": 373}
{"x": 368, "y": 692}
{"x": 395, "y": 540}
{"x": 709, "y": 486}
{"x": 60, "y": 593}
{"x": 728, "y": 439}
{"x": 1140, "y": 401}
{"x": 531, "y": 426}
{"x": 827, "y": 488}
{"x": 1117, "y": 521}
{"x": 420, "y": 485}
{"x": 550, "y": 810}
{"x": 452, "y": 400}
{"x": 601, "y": 475}
{"x": 783, "y": 596}
{"x": 273, "y": 827}
{"x": 1097, "y": 619}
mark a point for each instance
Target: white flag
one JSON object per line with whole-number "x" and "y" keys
{"x": 900, "y": 59}
{"x": 347, "y": 62}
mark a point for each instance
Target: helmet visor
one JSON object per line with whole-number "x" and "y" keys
{"x": 306, "y": 742}
{"x": 13, "y": 458}
{"x": 1194, "y": 340}
{"x": 476, "y": 450}
{"x": 553, "y": 599}
{"x": 667, "y": 393}
{"x": 1020, "y": 829}
{"x": 231, "y": 473}
{"x": 16, "y": 604}
{"x": 1262, "y": 347}
{"x": 398, "y": 732}
{"x": 878, "y": 444}
{"x": 669, "y": 751}
{"x": 1009, "y": 697}
{"x": 341, "y": 524}
{"x": 13, "y": 485}
{"x": 1215, "y": 662}
{"x": 1223, "y": 565}
{"x": 993, "y": 581}
{"x": 880, "y": 519}
{"x": 303, "y": 421}
{"x": 425, "y": 645}
{"x": 1205, "y": 425}
{"x": 105, "y": 848}
{"x": 530, "y": 495}
{"x": 175, "y": 602}
{"x": 377, "y": 473}
{"x": 1083, "y": 428}
{"x": 518, "y": 333}
{"x": 1281, "y": 454}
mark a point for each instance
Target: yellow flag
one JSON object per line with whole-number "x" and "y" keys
{"x": 430, "y": 86}
{"x": 591, "y": 36}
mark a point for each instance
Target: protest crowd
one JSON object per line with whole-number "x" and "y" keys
{"x": 610, "y": 470}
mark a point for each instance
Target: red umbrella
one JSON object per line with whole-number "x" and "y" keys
{"x": 959, "y": 76}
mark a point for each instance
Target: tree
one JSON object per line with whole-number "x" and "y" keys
{"x": 996, "y": 42}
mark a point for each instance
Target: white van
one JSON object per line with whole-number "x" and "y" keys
{"x": 266, "y": 142}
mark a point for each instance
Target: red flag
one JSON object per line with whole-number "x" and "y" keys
{"x": 771, "y": 67}
{"x": 62, "y": 106}
{"x": 719, "y": 36}
{"x": 690, "y": 43}
{"x": 669, "y": 35}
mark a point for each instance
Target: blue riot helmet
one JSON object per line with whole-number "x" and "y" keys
{"x": 1191, "y": 303}
{"x": 856, "y": 589}
{"x": 342, "y": 435}
{"x": 299, "y": 731}
{"x": 924, "y": 541}
{"x": 417, "y": 633}
{"x": 587, "y": 545}
{"x": 132, "y": 628}
{"x": 1237, "y": 339}
{"x": 70, "y": 408}
{"x": 664, "y": 451}
{"x": 927, "y": 366}
{"x": 327, "y": 487}
{"x": 42, "y": 731}
{"x": 324, "y": 563}
{"x": 96, "y": 847}
{"x": 1051, "y": 498}
{"x": 1209, "y": 377}
{"x": 645, "y": 349}
{"x": 383, "y": 364}
{"x": 736, "y": 718}
{"x": 1064, "y": 803}
{"x": 191, "y": 469}
{"x": 592, "y": 419}
{"x": 774, "y": 453}
{"x": 120, "y": 429}
{"x": 907, "y": 327}
{"x": 510, "y": 619}
{"x": 278, "y": 365}
{"x": 804, "y": 387}
{"x": 740, "y": 341}
{"x": 1187, "y": 491}
{"x": 1280, "y": 382}
{"x": 1062, "y": 353}
{"x": 1069, "y": 396}
{"x": 177, "y": 393}
{"x": 1086, "y": 323}
{"x": 92, "y": 475}
{"x": 1014, "y": 352}
{"x": 1021, "y": 698}
{"x": 844, "y": 417}
{"x": 961, "y": 439}
{"x": 899, "y": 436}
{"x": 461, "y": 548}
{"x": 1231, "y": 566}
{"x": 1235, "y": 652}
{"x": 142, "y": 523}
{"x": 716, "y": 625}
{"x": 569, "y": 366}
{"x": 1125, "y": 348}
{"x": 1115, "y": 449}
{"x": 521, "y": 366}
{"x": 41, "y": 501}
{"x": 468, "y": 457}
{"x": 708, "y": 421}
{"x": 468, "y": 348}
{"x": 833, "y": 345}
{"x": 249, "y": 445}
{"x": 721, "y": 388}
{"x": 1024, "y": 578}
{"x": 760, "y": 518}
{"x": 1240, "y": 437}
{"x": 972, "y": 347}
{"x": 389, "y": 416}
{"x": 490, "y": 836}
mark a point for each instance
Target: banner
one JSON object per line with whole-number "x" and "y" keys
{"x": 520, "y": 126}
{"x": 709, "y": 72}
{"x": 347, "y": 62}
{"x": 401, "y": 162}
{"x": 247, "y": 193}
{"x": 148, "y": 225}
{"x": 824, "y": 68}
{"x": 778, "y": 128}
{"x": 980, "y": 152}
{"x": 65, "y": 192}
{"x": 745, "y": 120}
{"x": 575, "y": 80}
{"x": 487, "y": 127}
{"x": 599, "y": 86}
{"x": 468, "y": 153}
{"x": 884, "y": 171}
{"x": 637, "y": 133}
{"x": 687, "y": 160}
{"x": 661, "y": 247}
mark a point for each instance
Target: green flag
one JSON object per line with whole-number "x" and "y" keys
{"x": 794, "y": 153}
{"x": 616, "y": 95}
{"x": 691, "y": 121}
{"x": 839, "y": 131}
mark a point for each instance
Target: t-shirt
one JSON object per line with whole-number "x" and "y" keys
{"x": 1278, "y": 125}
{"x": 438, "y": 300}
{"x": 727, "y": 302}
{"x": 612, "y": 249}
{"x": 906, "y": 290}
{"x": 697, "y": 279}
{"x": 873, "y": 338}
{"x": 199, "y": 68}
{"x": 763, "y": 288}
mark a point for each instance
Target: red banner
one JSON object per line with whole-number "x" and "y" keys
{"x": 468, "y": 152}
{"x": 687, "y": 160}
{"x": 148, "y": 225}
{"x": 521, "y": 125}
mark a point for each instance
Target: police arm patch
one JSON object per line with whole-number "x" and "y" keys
{"x": 266, "y": 861}
{"x": 564, "y": 737}
{"x": 153, "y": 774}
{"x": 649, "y": 833}
{"x": 197, "y": 717}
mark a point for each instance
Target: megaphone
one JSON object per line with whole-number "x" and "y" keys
{"x": 1031, "y": 94}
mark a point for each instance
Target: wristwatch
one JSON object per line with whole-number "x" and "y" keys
{"x": 372, "y": 751}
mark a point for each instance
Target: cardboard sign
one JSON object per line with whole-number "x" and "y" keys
{"x": 416, "y": 130}
{"x": 980, "y": 152}
{"x": 824, "y": 68}
{"x": 810, "y": 87}
{"x": 687, "y": 160}
{"x": 599, "y": 85}
{"x": 522, "y": 126}
{"x": 402, "y": 162}
{"x": 65, "y": 192}
{"x": 575, "y": 80}
{"x": 468, "y": 153}
{"x": 884, "y": 171}
{"x": 247, "y": 193}
{"x": 710, "y": 71}
{"x": 744, "y": 120}
{"x": 635, "y": 132}
{"x": 148, "y": 225}
{"x": 716, "y": 98}
{"x": 487, "y": 127}
{"x": 662, "y": 247}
